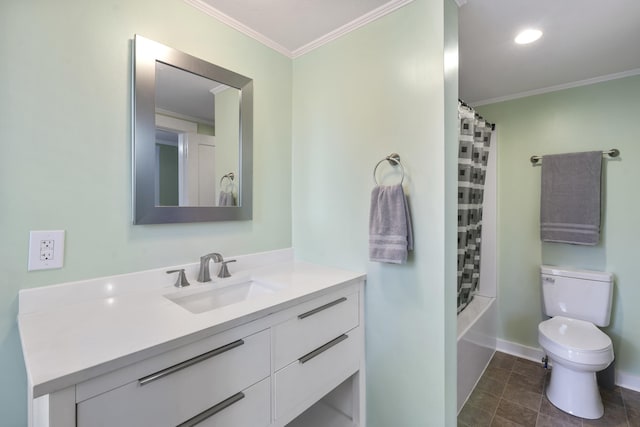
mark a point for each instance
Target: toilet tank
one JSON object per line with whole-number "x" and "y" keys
{"x": 578, "y": 294}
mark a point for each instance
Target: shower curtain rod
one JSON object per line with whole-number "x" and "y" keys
{"x": 478, "y": 116}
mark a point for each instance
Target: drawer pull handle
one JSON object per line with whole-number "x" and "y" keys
{"x": 212, "y": 411}
{"x": 322, "y": 349}
{"x": 175, "y": 368}
{"x": 322, "y": 307}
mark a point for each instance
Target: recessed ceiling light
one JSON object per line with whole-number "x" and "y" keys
{"x": 528, "y": 36}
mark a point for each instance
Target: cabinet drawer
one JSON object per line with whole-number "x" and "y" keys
{"x": 315, "y": 323}
{"x": 315, "y": 374}
{"x": 250, "y": 408}
{"x": 178, "y": 393}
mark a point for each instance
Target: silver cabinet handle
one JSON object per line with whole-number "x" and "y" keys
{"x": 212, "y": 411}
{"x": 322, "y": 307}
{"x": 322, "y": 349}
{"x": 175, "y": 368}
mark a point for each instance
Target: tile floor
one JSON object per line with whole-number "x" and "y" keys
{"x": 511, "y": 394}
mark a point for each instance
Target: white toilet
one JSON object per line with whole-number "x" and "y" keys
{"x": 577, "y": 301}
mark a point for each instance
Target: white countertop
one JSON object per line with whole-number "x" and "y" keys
{"x": 66, "y": 344}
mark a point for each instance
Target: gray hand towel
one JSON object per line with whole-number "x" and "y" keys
{"x": 226, "y": 199}
{"x": 570, "y": 198}
{"x": 390, "y": 230}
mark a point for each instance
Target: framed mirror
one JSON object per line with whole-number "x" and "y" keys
{"x": 192, "y": 138}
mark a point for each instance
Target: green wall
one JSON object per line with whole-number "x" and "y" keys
{"x": 66, "y": 66}
{"x": 168, "y": 175}
{"x": 378, "y": 90}
{"x": 596, "y": 117}
{"x": 227, "y": 136}
{"x": 451, "y": 124}
{"x": 340, "y": 109}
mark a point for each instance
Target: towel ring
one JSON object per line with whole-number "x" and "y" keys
{"x": 394, "y": 160}
{"x": 230, "y": 176}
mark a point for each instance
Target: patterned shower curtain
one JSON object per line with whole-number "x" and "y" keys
{"x": 473, "y": 153}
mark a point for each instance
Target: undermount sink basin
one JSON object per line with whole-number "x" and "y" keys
{"x": 201, "y": 301}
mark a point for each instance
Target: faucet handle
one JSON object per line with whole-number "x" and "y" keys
{"x": 224, "y": 270}
{"x": 182, "y": 278}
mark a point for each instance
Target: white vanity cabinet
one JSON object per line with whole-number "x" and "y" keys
{"x": 228, "y": 385}
{"x": 300, "y": 364}
{"x": 314, "y": 351}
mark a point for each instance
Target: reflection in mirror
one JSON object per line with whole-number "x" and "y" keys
{"x": 192, "y": 138}
{"x": 197, "y": 139}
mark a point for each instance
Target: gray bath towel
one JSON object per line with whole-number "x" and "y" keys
{"x": 570, "y": 198}
{"x": 226, "y": 199}
{"x": 390, "y": 231}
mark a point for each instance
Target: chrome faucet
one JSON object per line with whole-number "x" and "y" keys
{"x": 204, "y": 275}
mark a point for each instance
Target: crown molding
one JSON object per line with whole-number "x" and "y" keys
{"x": 339, "y": 32}
{"x": 586, "y": 82}
{"x": 237, "y": 25}
{"x": 351, "y": 26}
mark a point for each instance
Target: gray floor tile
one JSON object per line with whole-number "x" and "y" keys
{"x": 484, "y": 400}
{"x": 503, "y": 422}
{"x": 498, "y": 374}
{"x": 516, "y": 413}
{"x": 612, "y": 395}
{"x": 631, "y": 398}
{"x": 550, "y": 421}
{"x": 502, "y": 360}
{"x": 614, "y": 416}
{"x": 633, "y": 417}
{"x": 522, "y": 396}
{"x": 529, "y": 368}
{"x": 531, "y": 383}
{"x": 511, "y": 394}
{"x": 474, "y": 417}
{"x": 491, "y": 386}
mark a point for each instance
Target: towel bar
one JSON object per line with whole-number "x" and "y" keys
{"x": 394, "y": 160}
{"x": 614, "y": 152}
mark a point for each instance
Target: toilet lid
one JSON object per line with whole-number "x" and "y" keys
{"x": 575, "y": 334}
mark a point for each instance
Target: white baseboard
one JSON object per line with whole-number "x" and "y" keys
{"x": 625, "y": 380}
{"x": 535, "y": 354}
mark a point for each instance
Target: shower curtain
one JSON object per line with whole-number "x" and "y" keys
{"x": 473, "y": 153}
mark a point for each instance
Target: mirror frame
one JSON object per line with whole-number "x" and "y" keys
{"x": 146, "y": 53}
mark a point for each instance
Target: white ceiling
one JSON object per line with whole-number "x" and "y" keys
{"x": 294, "y": 27}
{"x": 185, "y": 95}
{"x": 584, "y": 40}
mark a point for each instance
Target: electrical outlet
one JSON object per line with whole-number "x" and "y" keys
{"x": 46, "y": 249}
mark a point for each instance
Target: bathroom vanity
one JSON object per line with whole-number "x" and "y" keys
{"x": 280, "y": 343}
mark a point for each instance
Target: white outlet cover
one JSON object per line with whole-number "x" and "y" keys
{"x": 46, "y": 249}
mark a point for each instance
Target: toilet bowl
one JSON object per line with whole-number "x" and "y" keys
{"x": 577, "y": 350}
{"x": 578, "y": 301}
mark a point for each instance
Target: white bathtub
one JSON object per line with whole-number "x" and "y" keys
{"x": 476, "y": 343}
{"x": 477, "y": 324}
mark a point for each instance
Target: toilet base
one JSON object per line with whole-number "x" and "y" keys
{"x": 575, "y": 392}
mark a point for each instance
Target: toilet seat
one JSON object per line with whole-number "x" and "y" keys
{"x": 576, "y": 341}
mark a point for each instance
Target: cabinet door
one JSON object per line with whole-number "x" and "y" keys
{"x": 178, "y": 393}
